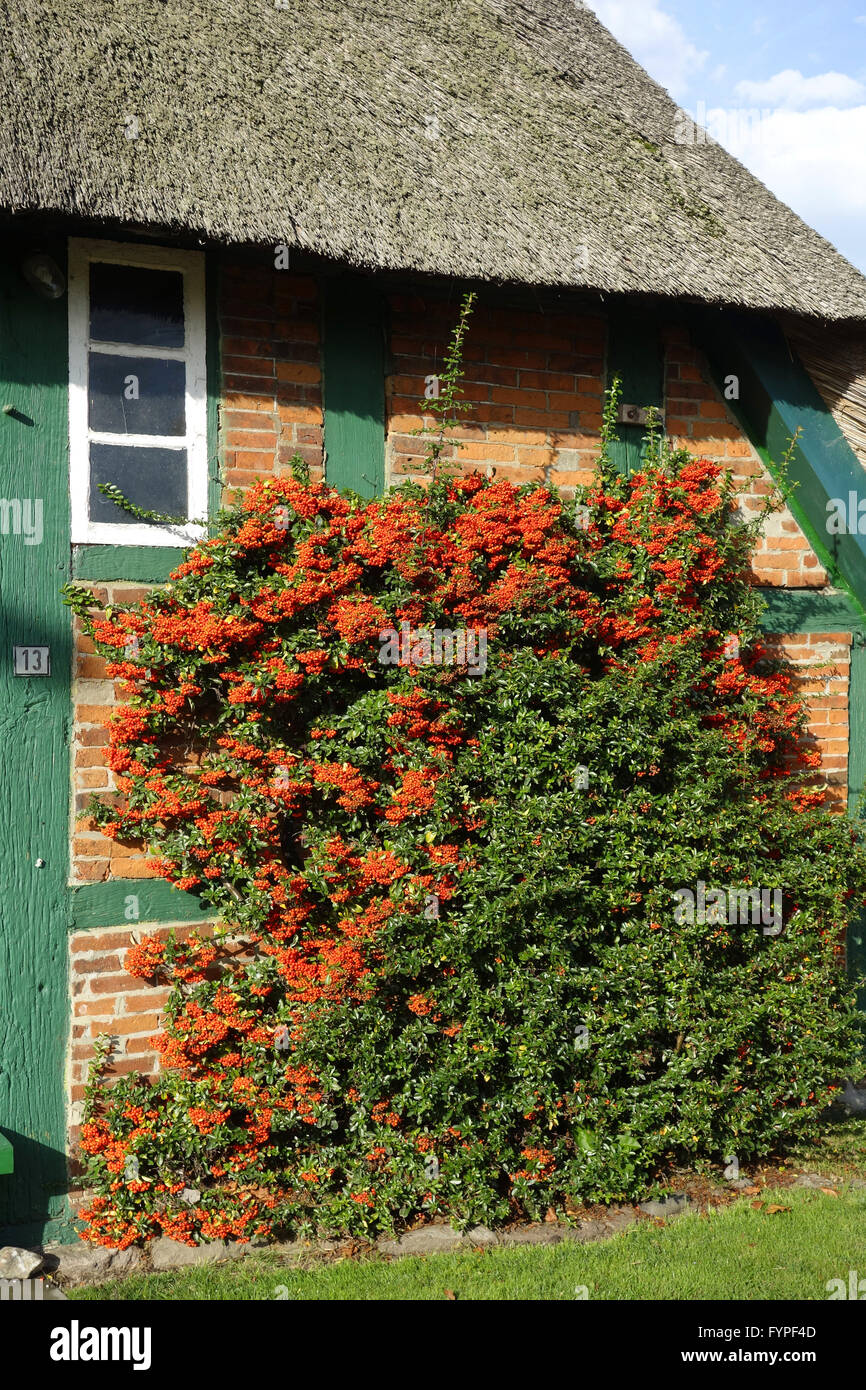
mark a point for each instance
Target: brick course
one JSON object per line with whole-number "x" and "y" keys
{"x": 535, "y": 383}
{"x": 94, "y": 857}
{"x": 271, "y": 404}
{"x": 106, "y": 1000}
{"x": 699, "y": 420}
{"x": 823, "y": 664}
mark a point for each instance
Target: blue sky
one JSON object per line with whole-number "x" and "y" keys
{"x": 781, "y": 83}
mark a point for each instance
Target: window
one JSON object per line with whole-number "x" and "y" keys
{"x": 137, "y": 391}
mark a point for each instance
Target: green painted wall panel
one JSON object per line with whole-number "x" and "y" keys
{"x": 129, "y": 901}
{"x": 634, "y": 354}
{"x": 805, "y": 610}
{"x": 354, "y": 386}
{"x": 138, "y": 564}
{"x": 856, "y": 805}
{"x": 857, "y": 722}
{"x": 34, "y": 769}
{"x": 214, "y": 383}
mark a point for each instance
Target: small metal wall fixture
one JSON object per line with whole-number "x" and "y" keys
{"x": 633, "y": 415}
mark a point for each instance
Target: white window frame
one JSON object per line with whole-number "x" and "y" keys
{"x": 82, "y": 253}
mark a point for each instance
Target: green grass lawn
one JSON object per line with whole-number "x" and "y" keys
{"x": 736, "y": 1252}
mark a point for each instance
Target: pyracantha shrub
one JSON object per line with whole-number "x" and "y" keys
{"x": 454, "y": 975}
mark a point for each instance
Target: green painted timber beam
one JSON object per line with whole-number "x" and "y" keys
{"x": 353, "y": 375}
{"x": 810, "y": 610}
{"x": 634, "y": 354}
{"x": 123, "y": 901}
{"x": 776, "y": 398}
{"x": 132, "y": 564}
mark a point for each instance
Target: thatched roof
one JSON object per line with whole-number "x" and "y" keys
{"x": 492, "y": 139}
{"x": 836, "y": 361}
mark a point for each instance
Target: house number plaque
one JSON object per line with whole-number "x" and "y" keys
{"x": 32, "y": 661}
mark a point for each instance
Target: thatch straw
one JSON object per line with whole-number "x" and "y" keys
{"x": 836, "y": 361}
{"x": 486, "y": 139}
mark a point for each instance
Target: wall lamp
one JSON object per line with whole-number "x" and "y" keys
{"x": 44, "y": 275}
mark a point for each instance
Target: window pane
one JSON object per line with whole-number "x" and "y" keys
{"x": 129, "y": 304}
{"x": 155, "y": 479}
{"x": 136, "y": 395}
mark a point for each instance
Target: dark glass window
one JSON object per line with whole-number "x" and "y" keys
{"x": 155, "y": 479}
{"x": 129, "y": 304}
{"x": 136, "y": 395}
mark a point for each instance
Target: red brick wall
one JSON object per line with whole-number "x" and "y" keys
{"x": 823, "y": 662}
{"x": 94, "y": 857}
{"x": 272, "y": 378}
{"x": 535, "y": 382}
{"x": 698, "y": 419}
{"x": 106, "y": 1000}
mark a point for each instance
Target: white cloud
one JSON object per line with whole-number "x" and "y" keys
{"x": 815, "y": 161}
{"x": 655, "y": 39}
{"x": 791, "y": 90}
{"x": 792, "y": 131}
